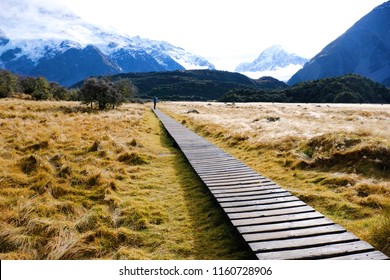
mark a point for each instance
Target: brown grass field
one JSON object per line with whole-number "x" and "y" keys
{"x": 334, "y": 157}
{"x": 77, "y": 184}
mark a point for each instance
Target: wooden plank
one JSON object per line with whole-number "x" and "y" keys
{"x": 212, "y": 159}
{"x": 306, "y": 232}
{"x": 373, "y": 255}
{"x": 265, "y": 207}
{"x": 224, "y": 174}
{"x": 254, "y": 197}
{"x": 240, "y": 177}
{"x": 236, "y": 182}
{"x": 236, "y": 169}
{"x": 205, "y": 170}
{"x": 250, "y": 193}
{"x": 243, "y": 177}
{"x": 228, "y": 181}
{"x": 219, "y": 171}
{"x": 304, "y": 242}
{"x": 242, "y": 189}
{"x": 209, "y": 165}
{"x": 320, "y": 252}
{"x": 231, "y": 174}
{"x": 258, "y": 202}
{"x": 285, "y": 226}
{"x": 277, "y": 219}
{"x": 249, "y": 187}
{"x": 271, "y": 213}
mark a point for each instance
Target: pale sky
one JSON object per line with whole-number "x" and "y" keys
{"x": 227, "y": 32}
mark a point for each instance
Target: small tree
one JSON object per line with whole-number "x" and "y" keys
{"x": 100, "y": 92}
{"x": 126, "y": 88}
{"x": 41, "y": 89}
{"x": 8, "y": 83}
{"x": 59, "y": 92}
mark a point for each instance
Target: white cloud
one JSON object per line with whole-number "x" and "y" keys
{"x": 282, "y": 74}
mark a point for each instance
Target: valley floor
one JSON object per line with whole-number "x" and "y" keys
{"x": 77, "y": 184}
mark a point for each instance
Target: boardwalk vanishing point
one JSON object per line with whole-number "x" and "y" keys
{"x": 275, "y": 224}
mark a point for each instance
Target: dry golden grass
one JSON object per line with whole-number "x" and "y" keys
{"x": 334, "y": 157}
{"x": 76, "y": 184}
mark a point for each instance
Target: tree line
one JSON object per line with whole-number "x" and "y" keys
{"x": 350, "y": 88}
{"x": 101, "y": 93}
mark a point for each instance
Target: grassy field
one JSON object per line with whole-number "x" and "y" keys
{"x": 334, "y": 157}
{"x": 76, "y": 184}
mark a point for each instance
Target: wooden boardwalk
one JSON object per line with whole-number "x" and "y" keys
{"x": 274, "y": 223}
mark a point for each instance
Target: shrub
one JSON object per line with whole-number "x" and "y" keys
{"x": 100, "y": 92}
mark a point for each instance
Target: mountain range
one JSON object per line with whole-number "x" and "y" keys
{"x": 62, "y": 47}
{"x": 38, "y": 40}
{"x": 363, "y": 49}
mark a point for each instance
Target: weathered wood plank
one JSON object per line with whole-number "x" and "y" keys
{"x": 304, "y": 242}
{"x": 205, "y": 170}
{"x": 219, "y": 170}
{"x": 250, "y": 193}
{"x": 305, "y": 232}
{"x": 243, "y": 188}
{"x": 236, "y": 182}
{"x": 208, "y": 166}
{"x": 321, "y": 252}
{"x": 254, "y": 197}
{"x": 373, "y": 255}
{"x": 228, "y": 175}
{"x": 271, "y": 213}
{"x": 250, "y": 203}
{"x": 233, "y": 179}
{"x": 285, "y": 226}
{"x": 264, "y": 207}
{"x": 212, "y": 159}
{"x": 277, "y": 219}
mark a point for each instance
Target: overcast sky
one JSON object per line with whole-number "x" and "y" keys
{"x": 227, "y": 32}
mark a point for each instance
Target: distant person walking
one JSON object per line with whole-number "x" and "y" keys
{"x": 154, "y": 102}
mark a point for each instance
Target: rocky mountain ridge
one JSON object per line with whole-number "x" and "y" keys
{"x": 63, "y": 48}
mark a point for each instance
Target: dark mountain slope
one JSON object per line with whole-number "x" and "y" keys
{"x": 364, "y": 49}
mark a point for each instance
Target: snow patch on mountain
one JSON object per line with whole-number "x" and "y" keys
{"x": 32, "y": 33}
{"x": 275, "y": 62}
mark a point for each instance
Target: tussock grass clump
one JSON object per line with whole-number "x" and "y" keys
{"x": 96, "y": 217}
{"x": 133, "y": 158}
{"x": 132, "y": 218}
{"x": 37, "y": 146}
{"x": 347, "y": 153}
{"x": 29, "y": 164}
{"x": 95, "y": 146}
{"x": 133, "y": 143}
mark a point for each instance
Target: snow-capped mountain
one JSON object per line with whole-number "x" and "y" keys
{"x": 57, "y": 44}
{"x": 274, "y": 61}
